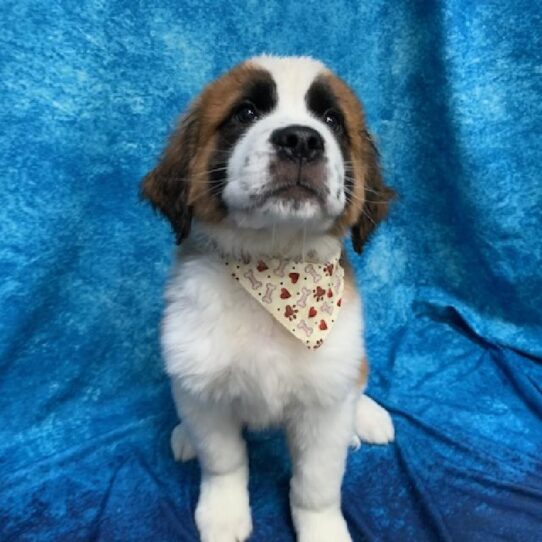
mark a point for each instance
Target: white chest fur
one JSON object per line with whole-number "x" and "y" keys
{"x": 219, "y": 345}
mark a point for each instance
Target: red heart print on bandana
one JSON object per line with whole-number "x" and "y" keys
{"x": 294, "y": 277}
{"x": 284, "y": 293}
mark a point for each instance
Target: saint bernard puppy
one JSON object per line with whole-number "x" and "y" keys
{"x": 271, "y": 165}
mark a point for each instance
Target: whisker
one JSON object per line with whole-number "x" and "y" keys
{"x": 366, "y": 188}
{"x": 192, "y": 180}
{"x": 368, "y": 216}
{"x": 196, "y": 177}
{"x": 350, "y": 196}
{"x": 228, "y": 151}
{"x": 211, "y": 193}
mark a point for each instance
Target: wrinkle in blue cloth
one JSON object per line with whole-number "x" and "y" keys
{"x": 452, "y": 282}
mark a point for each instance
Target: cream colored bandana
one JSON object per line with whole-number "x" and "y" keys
{"x": 304, "y": 297}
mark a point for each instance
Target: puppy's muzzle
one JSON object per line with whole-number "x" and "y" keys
{"x": 298, "y": 143}
{"x": 298, "y": 172}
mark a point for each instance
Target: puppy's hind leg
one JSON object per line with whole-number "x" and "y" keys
{"x": 372, "y": 423}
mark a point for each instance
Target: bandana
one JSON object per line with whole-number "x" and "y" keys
{"x": 304, "y": 297}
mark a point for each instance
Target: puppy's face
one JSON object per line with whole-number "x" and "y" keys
{"x": 288, "y": 149}
{"x": 276, "y": 141}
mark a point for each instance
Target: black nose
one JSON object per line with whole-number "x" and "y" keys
{"x": 298, "y": 142}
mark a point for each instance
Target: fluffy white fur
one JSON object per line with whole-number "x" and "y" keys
{"x": 232, "y": 365}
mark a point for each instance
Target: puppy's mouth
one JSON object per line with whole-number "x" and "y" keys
{"x": 295, "y": 182}
{"x": 297, "y": 192}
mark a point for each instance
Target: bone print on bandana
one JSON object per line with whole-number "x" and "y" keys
{"x": 305, "y": 297}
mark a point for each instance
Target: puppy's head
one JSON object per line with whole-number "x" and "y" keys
{"x": 274, "y": 142}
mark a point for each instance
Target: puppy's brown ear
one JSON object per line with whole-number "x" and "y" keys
{"x": 167, "y": 185}
{"x": 377, "y": 196}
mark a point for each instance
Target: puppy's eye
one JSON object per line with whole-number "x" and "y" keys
{"x": 246, "y": 113}
{"x": 333, "y": 120}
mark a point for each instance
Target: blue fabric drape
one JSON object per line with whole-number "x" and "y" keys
{"x": 452, "y": 281}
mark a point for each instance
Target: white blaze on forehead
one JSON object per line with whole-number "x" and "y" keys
{"x": 293, "y": 77}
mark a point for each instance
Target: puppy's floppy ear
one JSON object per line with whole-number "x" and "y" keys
{"x": 167, "y": 185}
{"x": 377, "y": 196}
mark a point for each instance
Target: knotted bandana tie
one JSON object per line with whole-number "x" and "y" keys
{"x": 305, "y": 297}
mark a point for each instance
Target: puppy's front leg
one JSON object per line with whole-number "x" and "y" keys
{"x": 223, "y": 511}
{"x": 318, "y": 439}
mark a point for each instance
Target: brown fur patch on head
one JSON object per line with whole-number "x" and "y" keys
{"x": 182, "y": 185}
{"x": 367, "y": 195}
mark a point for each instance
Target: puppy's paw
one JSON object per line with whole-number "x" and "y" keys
{"x": 182, "y": 448}
{"x": 223, "y": 511}
{"x": 373, "y": 423}
{"x": 320, "y": 526}
{"x": 355, "y": 443}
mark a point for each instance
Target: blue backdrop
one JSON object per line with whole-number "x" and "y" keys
{"x": 452, "y": 282}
